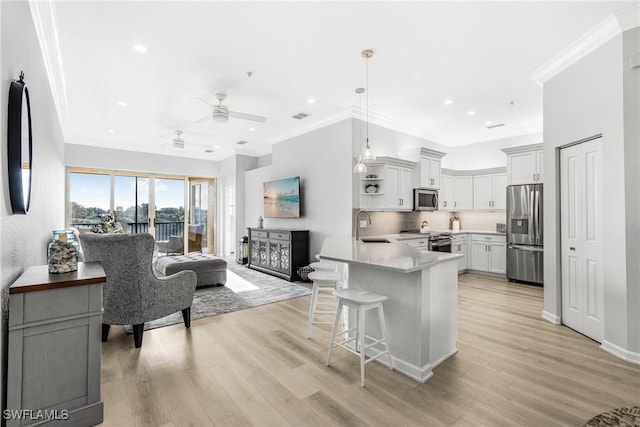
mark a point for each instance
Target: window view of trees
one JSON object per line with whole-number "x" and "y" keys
{"x": 90, "y": 195}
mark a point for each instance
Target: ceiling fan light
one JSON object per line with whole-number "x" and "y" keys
{"x": 220, "y": 114}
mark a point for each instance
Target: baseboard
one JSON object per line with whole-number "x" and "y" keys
{"x": 410, "y": 370}
{"x": 622, "y": 353}
{"x": 552, "y": 318}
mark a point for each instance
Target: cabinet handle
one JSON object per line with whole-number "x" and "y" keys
{"x": 455, "y": 204}
{"x": 572, "y": 248}
{"x": 534, "y": 177}
{"x": 445, "y": 203}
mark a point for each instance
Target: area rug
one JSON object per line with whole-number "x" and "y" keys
{"x": 244, "y": 289}
{"x": 627, "y": 416}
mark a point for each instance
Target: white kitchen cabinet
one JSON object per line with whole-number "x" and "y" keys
{"x": 393, "y": 182}
{"x": 463, "y": 192}
{"x": 399, "y": 188}
{"x": 488, "y": 253}
{"x": 445, "y": 197}
{"x": 525, "y": 164}
{"x": 456, "y": 193}
{"x": 489, "y": 191}
{"x": 427, "y": 169}
{"x": 459, "y": 245}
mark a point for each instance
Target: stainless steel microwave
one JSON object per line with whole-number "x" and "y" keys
{"x": 425, "y": 200}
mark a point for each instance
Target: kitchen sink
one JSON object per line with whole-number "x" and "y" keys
{"x": 374, "y": 240}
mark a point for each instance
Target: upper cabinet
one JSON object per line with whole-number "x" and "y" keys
{"x": 457, "y": 191}
{"x": 490, "y": 190}
{"x": 524, "y": 164}
{"x": 427, "y": 171}
{"x": 387, "y": 185}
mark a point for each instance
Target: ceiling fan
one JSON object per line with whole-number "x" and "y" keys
{"x": 221, "y": 112}
{"x": 177, "y": 143}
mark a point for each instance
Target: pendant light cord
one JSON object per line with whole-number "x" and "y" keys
{"x": 367, "y": 94}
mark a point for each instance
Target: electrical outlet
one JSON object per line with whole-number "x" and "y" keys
{"x": 363, "y": 223}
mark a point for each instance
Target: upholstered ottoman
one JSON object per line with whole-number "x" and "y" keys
{"x": 210, "y": 270}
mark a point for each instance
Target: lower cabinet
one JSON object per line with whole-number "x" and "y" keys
{"x": 459, "y": 245}
{"x": 54, "y": 347}
{"x": 489, "y": 253}
{"x": 278, "y": 252}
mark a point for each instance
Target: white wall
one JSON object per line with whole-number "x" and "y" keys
{"x": 322, "y": 159}
{"x": 24, "y": 238}
{"x": 584, "y": 100}
{"x": 484, "y": 155}
{"x": 133, "y": 161}
{"x": 631, "y": 81}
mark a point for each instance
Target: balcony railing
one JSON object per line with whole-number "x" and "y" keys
{"x": 164, "y": 230}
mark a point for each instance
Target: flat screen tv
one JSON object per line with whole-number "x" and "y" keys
{"x": 282, "y": 198}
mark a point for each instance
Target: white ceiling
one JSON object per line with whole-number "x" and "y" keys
{"x": 481, "y": 55}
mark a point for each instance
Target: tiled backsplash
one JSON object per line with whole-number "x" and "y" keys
{"x": 394, "y": 222}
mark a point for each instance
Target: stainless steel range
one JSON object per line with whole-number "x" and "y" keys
{"x": 438, "y": 241}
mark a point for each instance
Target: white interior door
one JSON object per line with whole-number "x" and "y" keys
{"x": 581, "y": 238}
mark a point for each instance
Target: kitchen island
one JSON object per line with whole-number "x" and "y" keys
{"x": 422, "y": 287}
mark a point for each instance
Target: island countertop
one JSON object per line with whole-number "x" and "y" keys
{"x": 397, "y": 257}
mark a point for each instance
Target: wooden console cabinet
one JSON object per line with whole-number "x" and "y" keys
{"x": 55, "y": 347}
{"x": 278, "y": 252}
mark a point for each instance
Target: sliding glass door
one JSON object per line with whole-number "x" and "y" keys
{"x": 146, "y": 203}
{"x": 169, "y": 207}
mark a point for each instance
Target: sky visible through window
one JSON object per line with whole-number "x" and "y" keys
{"x": 92, "y": 190}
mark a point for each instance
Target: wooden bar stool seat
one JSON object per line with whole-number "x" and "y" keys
{"x": 361, "y": 301}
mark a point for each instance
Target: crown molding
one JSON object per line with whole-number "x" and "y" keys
{"x": 587, "y": 43}
{"x": 43, "y": 13}
{"x": 523, "y": 148}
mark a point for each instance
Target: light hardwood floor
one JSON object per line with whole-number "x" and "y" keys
{"x": 254, "y": 367}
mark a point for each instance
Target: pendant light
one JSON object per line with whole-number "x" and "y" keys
{"x": 360, "y": 167}
{"x": 368, "y": 154}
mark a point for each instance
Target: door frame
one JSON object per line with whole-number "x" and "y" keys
{"x": 559, "y": 229}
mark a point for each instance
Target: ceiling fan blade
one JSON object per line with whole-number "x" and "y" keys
{"x": 206, "y": 102}
{"x": 208, "y": 116}
{"x": 246, "y": 116}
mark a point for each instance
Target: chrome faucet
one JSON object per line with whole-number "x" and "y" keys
{"x": 358, "y": 222}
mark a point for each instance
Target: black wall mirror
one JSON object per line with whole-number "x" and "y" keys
{"x": 19, "y": 150}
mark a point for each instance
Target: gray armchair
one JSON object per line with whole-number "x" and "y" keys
{"x": 132, "y": 294}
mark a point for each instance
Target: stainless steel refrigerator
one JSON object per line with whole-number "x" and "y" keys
{"x": 525, "y": 243}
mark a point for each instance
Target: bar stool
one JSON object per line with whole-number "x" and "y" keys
{"x": 324, "y": 266}
{"x": 361, "y": 301}
{"x": 321, "y": 279}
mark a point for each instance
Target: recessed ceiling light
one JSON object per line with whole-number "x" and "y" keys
{"x": 111, "y": 131}
{"x": 252, "y": 129}
{"x": 471, "y": 113}
{"x": 311, "y": 101}
{"x": 140, "y": 48}
{"x": 448, "y": 102}
{"x": 488, "y": 122}
{"x": 121, "y": 103}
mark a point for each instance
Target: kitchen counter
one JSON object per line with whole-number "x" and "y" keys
{"x": 393, "y": 256}
{"x": 422, "y": 287}
{"x": 475, "y": 232}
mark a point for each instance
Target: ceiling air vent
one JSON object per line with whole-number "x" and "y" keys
{"x": 209, "y": 150}
{"x": 241, "y": 142}
{"x": 301, "y": 115}
{"x": 495, "y": 126}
